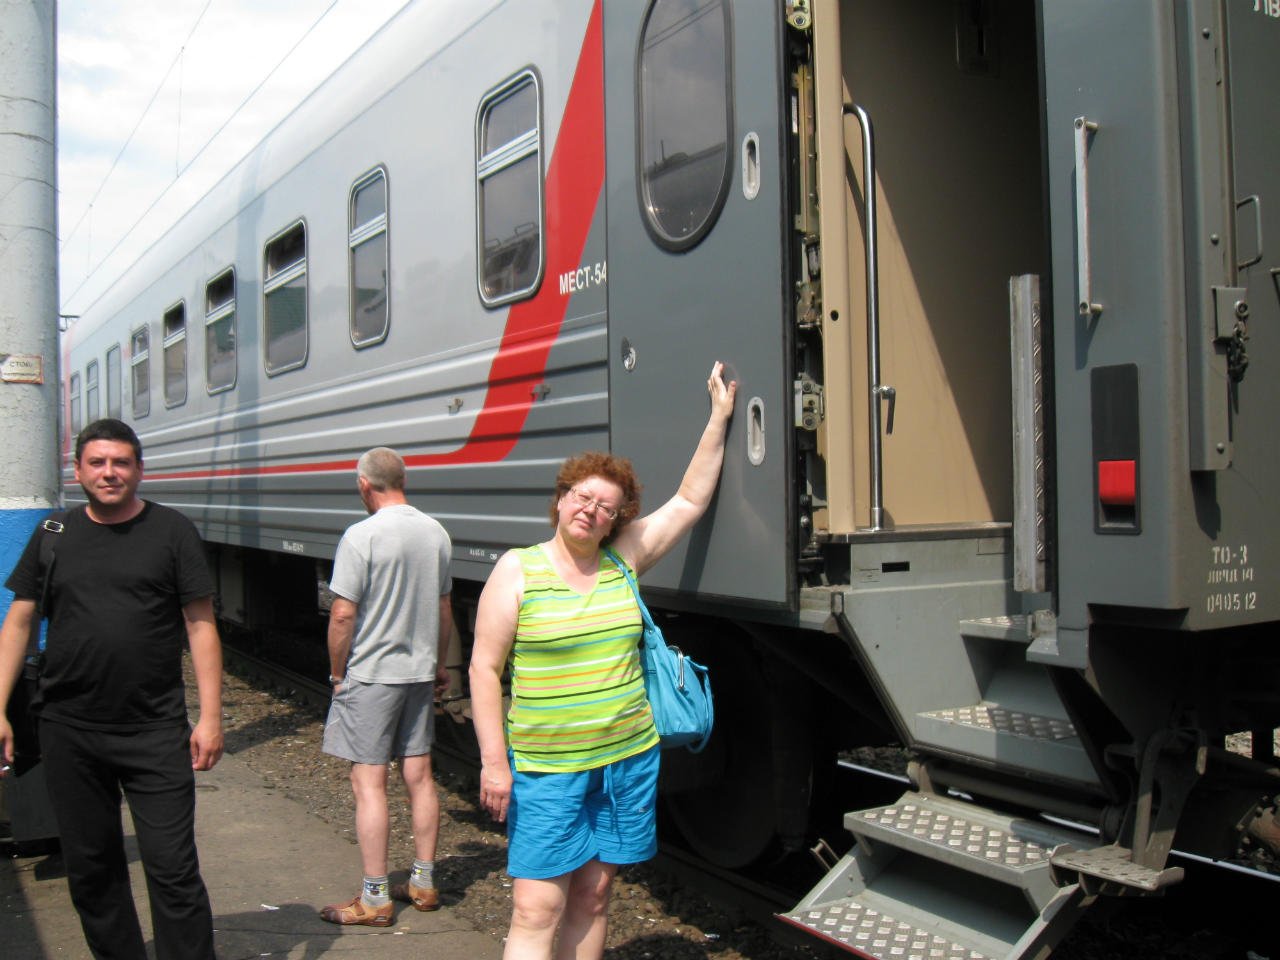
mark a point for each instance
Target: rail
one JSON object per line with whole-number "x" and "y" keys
{"x": 879, "y": 391}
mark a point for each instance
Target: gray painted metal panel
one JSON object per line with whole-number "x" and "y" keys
{"x": 1239, "y": 510}
{"x": 1112, "y": 65}
{"x": 724, "y": 299}
{"x": 1206, "y": 186}
{"x": 1208, "y": 545}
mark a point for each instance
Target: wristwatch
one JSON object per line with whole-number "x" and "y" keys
{"x": 334, "y": 681}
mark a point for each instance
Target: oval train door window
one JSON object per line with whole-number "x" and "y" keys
{"x": 683, "y": 83}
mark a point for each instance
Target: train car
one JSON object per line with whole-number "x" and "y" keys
{"x": 994, "y": 279}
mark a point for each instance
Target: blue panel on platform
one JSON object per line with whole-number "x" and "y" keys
{"x": 15, "y": 531}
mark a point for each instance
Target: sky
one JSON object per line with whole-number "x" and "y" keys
{"x": 157, "y": 99}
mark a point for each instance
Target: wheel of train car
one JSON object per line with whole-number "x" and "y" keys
{"x": 722, "y": 799}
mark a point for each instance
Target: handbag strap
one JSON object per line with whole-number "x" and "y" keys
{"x": 635, "y": 589}
{"x": 46, "y": 557}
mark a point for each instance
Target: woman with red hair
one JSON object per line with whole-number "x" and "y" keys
{"x": 573, "y": 767}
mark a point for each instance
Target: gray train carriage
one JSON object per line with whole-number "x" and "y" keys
{"x": 993, "y": 279}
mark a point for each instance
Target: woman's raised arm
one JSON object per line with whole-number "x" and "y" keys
{"x": 646, "y": 540}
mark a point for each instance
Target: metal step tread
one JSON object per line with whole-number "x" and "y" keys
{"x": 1115, "y": 864}
{"x": 1019, "y": 723}
{"x": 850, "y": 923}
{"x": 1011, "y": 850}
{"x": 1014, "y": 628}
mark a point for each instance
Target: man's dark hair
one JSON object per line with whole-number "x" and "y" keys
{"x": 109, "y": 429}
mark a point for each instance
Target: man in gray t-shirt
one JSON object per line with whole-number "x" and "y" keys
{"x": 389, "y": 631}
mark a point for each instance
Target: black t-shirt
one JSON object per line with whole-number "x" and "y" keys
{"x": 113, "y": 655}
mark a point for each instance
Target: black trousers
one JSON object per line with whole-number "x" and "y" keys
{"x": 87, "y": 770}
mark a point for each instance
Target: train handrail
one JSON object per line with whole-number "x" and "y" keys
{"x": 1084, "y": 129}
{"x": 878, "y": 390}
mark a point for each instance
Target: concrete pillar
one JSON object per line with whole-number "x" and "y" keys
{"x": 29, "y": 470}
{"x": 29, "y": 475}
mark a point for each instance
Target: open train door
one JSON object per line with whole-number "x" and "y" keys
{"x": 696, "y": 240}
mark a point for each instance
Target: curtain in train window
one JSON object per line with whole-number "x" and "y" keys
{"x": 220, "y": 332}
{"x": 367, "y": 240}
{"x": 174, "y": 345}
{"x": 509, "y": 190}
{"x": 73, "y": 415}
{"x": 284, "y": 294}
{"x": 140, "y": 370}
{"x": 91, "y": 409}
{"x": 683, "y": 120}
{"x": 114, "y": 407}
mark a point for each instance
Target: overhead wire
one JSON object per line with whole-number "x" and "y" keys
{"x": 143, "y": 116}
{"x": 230, "y": 117}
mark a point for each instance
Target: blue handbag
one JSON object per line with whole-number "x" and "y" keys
{"x": 678, "y": 688}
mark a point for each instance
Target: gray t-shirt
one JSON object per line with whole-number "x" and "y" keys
{"x": 394, "y": 566}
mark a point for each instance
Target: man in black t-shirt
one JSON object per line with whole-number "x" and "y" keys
{"x": 128, "y": 582}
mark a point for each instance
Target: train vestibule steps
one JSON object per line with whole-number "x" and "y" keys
{"x": 934, "y": 877}
{"x": 1019, "y": 722}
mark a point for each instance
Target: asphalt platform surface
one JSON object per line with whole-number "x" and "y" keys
{"x": 269, "y": 868}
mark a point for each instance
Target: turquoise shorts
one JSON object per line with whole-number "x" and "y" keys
{"x": 556, "y": 822}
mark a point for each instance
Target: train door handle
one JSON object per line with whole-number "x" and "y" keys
{"x": 751, "y": 166}
{"x": 1254, "y": 201}
{"x": 1084, "y": 128}
{"x": 755, "y": 431}
{"x": 888, "y": 393}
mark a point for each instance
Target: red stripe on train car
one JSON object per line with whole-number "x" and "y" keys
{"x": 575, "y": 179}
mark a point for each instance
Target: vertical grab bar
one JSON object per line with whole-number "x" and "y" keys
{"x": 878, "y": 391}
{"x": 1084, "y": 281}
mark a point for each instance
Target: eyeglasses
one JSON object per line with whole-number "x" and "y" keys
{"x": 586, "y": 502}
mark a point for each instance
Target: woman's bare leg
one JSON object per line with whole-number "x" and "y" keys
{"x": 538, "y": 906}
{"x": 586, "y": 912}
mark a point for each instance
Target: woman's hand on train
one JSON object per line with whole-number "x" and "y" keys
{"x": 495, "y": 789}
{"x": 722, "y": 394}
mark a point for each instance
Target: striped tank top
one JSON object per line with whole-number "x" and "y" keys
{"x": 577, "y": 691}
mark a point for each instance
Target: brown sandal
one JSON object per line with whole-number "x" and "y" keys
{"x": 422, "y": 898}
{"x": 356, "y": 912}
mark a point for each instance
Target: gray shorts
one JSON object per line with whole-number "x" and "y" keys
{"x": 373, "y": 722}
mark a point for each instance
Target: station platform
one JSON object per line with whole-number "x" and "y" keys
{"x": 269, "y": 870}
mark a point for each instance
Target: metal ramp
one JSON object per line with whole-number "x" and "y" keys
{"x": 938, "y": 879}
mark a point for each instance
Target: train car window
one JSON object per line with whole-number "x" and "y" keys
{"x": 174, "y": 345}
{"x": 140, "y": 370}
{"x": 509, "y": 185}
{"x": 114, "y": 408}
{"x": 284, "y": 299}
{"x": 73, "y": 401}
{"x": 220, "y": 332}
{"x": 683, "y": 121}
{"x": 369, "y": 267}
{"x": 91, "y": 408}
